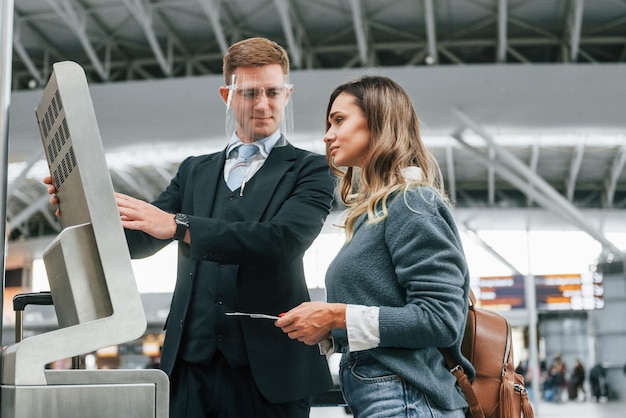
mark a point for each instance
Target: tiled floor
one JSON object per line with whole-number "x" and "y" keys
{"x": 573, "y": 409}
{"x": 611, "y": 409}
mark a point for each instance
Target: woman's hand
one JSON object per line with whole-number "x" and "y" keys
{"x": 311, "y": 322}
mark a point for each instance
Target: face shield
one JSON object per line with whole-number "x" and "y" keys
{"x": 258, "y": 106}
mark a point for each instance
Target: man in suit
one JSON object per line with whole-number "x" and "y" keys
{"x": 239, "y": 252}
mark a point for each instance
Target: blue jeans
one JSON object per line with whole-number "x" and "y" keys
{"x": 373, "y": 391}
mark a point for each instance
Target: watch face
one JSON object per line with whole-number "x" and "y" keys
{"x": 181, "y": 219}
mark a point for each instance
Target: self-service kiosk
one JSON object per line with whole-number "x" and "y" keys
{"x": 92, "y": 284}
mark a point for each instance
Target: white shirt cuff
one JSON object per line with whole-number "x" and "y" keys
{"x": 327, "y": 347}
{"x": 362, "y": 327}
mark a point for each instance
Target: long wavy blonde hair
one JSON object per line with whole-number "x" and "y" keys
{"x": 395, "y": 144}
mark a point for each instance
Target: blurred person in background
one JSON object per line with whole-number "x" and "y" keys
{"x": 576, "y": 383}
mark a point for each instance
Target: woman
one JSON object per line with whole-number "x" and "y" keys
{"x": 398, "y": 288}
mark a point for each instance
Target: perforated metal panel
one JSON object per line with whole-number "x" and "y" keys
{"x": 91, "y": 279}
{"x": 88, "y": 264}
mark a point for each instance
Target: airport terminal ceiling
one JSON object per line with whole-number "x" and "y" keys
{"x": 522, "y": 102}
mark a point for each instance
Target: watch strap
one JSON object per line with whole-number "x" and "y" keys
{"x": 181, "y": 230}
{"x": 182, "y": 225}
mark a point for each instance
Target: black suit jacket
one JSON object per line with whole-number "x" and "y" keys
{"x": 284, "y": 212}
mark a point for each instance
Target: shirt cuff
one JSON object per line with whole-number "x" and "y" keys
{"x": 327, "y": 347}
{"x": 362, "y": 327}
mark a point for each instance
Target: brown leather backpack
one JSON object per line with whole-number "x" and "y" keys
{"x": 496, "y": 391}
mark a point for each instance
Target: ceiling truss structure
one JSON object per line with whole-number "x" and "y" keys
{"x": 518, "y": 174}
{"x": 117, "y": 40}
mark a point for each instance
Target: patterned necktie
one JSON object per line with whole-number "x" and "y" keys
{"x": 238, "y": 172}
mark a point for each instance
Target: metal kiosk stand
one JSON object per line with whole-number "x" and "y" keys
{"x": 91, "y": 279}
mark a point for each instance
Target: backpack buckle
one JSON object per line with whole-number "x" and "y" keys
{"x": 456, "y": 368}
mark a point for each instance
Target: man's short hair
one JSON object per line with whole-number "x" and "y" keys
{"x": 254, "y": 52}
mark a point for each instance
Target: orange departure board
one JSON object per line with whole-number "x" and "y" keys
{"x": 500, "y": 293}
{"x": 575, "y": 292}
{"x": 554, "y": 292}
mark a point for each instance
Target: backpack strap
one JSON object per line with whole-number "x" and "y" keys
{"x": 476, "y": 411}
{"x": 463, "y": 381}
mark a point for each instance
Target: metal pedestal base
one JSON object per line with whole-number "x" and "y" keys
{"x": 90, "y": 393}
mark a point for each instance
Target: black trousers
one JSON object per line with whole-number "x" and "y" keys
{"x": 218, "y": 391}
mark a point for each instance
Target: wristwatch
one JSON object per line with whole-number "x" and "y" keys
{"x": 182, "y": 225}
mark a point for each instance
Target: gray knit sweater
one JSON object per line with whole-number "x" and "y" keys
{"x": 413, "y": 267}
